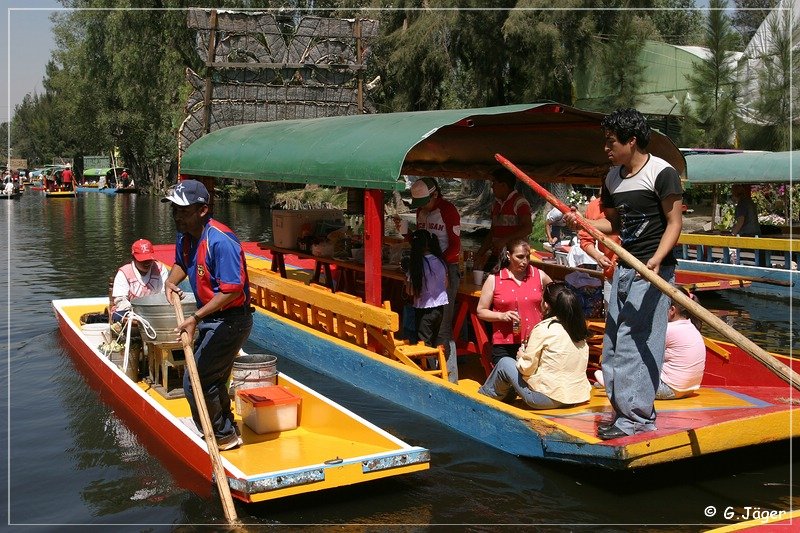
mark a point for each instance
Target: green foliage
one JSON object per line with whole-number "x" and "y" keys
{"x": 620, "y": 72}
{"x": 749, "y": 15}
{"x": 713, "y": 82}
{"x": 775, "y": 104}
{"x": 678, "y": 22}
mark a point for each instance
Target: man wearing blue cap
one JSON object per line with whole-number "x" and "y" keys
{"x": 211, "y": 256}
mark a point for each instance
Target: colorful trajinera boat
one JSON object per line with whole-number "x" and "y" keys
{"x": 771, "y": 260}
{"x": 330, "y": 447}
{"x": 356, "y": 338}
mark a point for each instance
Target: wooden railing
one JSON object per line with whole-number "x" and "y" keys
{"x": 343, "y": 316}
{"x": 711, "y": 247}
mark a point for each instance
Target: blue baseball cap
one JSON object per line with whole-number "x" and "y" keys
{"x": 187, "y": 192}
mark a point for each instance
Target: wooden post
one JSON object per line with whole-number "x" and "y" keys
{"x": 360, "y": 71}
{"x": 212, "y": 48}
{"x": 220, "y": 476}
{"x": 373, "y": 243}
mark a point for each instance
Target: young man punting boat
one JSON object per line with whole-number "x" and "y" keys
{"x": 642, "y": 199}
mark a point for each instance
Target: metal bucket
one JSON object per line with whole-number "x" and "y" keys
{"x": 251, "y": 371}
{"x": 161, "y": 315}
{"x": 118, "y": 358}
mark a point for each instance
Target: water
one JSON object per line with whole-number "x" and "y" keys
{"x": 73, "y": 461}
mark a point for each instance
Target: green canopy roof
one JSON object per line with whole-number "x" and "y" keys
{"x": 551, "y": 142}
{"x": 96, "y": 171}
{"x": 745, "y": 167}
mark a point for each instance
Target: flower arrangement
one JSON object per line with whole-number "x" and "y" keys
{"x": 772, "y": 219}
{"x": 575, "y": 198}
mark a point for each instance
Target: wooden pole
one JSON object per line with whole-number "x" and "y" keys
{"x": 758, "y": 353}
{"x": 216, "y": 461}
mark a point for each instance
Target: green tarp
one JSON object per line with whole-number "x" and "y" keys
{"x": 551, "y": 142}
{"x": 745, "y": 167}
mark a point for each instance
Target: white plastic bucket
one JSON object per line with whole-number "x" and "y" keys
{"x": 251, "y": 371}
{"x": 95, "y": 334}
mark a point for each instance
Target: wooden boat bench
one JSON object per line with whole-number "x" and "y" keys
{"x": 343, "y": 316}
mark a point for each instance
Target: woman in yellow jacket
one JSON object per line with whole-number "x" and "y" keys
{"x": 550, "y": 369}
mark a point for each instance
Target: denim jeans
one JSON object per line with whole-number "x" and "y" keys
{"x": 445, "y": 337}
{"x": 218, "y": 342}
{"x": 633, "y": 347}
{"x": 505, "y": 380}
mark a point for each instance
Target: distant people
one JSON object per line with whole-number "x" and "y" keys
{"x": 8, "y": 188}
{"x": 684, "y": 355}
{"x": 550, "y": 369}
{"x": 125, "y": 178}
{"x": 554, "y": 226}
{"x": 143, "y": 276}
{"x": 511, "y": 299}
{"x": 511, "y": 218}
{"x": 642, "y": 200}
{"x": 67, "y": 178}
{"x": 427, "y": 285}
{"x": 746, "y": 214}
{"x": 441, "y": 218}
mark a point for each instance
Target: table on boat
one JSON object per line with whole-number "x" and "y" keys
{"x": 469, "y": 340}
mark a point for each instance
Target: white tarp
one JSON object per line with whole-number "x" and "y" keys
{"x": 761, "y": 50}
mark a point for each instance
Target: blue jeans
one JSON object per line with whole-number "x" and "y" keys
{"x": 445, "y": 337}
{"x": 217, "y": 344}
{"x": 633, "y": 347}
{"x": 505, "y": 380}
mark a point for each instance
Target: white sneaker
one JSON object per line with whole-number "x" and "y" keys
{"x": 229, "y": 443}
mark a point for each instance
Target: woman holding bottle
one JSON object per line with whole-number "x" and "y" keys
{"x": 511, "y": 299}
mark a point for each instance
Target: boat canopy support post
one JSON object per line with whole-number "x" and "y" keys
{"x": 373, "y": 242}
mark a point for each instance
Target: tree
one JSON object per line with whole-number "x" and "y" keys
{"x": 678, "y": 21}
{"x": 776, "y": 101}
{"x": 621, "y": 73}
{"x": 713, "y": 81}
{"x": 749, "y": 15}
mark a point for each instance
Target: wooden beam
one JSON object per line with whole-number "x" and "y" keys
{"x": 373, "y": 243}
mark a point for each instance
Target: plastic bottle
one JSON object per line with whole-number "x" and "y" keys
{"x": 515, "y": 325}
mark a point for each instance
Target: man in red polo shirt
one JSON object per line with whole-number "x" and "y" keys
{"x": 441, "y": 218}
{"x": 511, "y": 218}
{"x": 66, "y": 178}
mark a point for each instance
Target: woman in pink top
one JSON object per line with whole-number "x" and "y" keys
{"x": 511, "y": 299}
{"x": 684, "y": 355}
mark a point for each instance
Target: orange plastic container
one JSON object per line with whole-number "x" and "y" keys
{"x": 269, "y": 409}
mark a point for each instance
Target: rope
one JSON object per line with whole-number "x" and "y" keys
{"x": 126, "y": 330}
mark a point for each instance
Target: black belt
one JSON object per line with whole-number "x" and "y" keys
{"x": 231, "y": 312}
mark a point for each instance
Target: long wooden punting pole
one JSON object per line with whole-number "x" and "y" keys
{"x": 205, "y": 421}
{"x": 761, "y": 355}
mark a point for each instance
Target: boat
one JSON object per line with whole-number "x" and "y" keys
{"x": 331, "y": 446}
{"x": 357, "y": 339}
{"x": 60, "y": 194}
{"x": 126, "y": 190}
{"x": 709, "y": 252}
{"x": 16, "y": 195}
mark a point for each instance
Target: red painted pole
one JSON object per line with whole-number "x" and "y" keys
{"x": 373, "y": 243}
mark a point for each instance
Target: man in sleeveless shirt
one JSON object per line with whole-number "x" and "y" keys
{"x": 143, "y": 276}
{"x": 642, "y": 198}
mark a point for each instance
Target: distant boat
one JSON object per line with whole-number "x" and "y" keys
{"x": 126, "y": 190}
{"x": 60, "y": 194}
{"x": 13, "y": 196}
